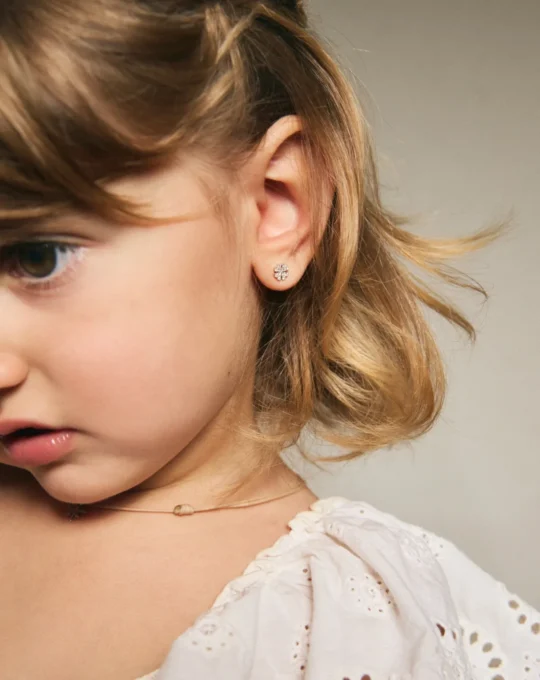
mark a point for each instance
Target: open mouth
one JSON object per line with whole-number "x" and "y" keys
{"x": 24, "y": 433}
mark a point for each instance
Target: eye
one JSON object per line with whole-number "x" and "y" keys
{"x": 40, "y": 264}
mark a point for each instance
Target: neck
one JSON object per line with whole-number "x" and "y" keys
{"x": 209, "y": 490}
{"x": 217, "y": 466}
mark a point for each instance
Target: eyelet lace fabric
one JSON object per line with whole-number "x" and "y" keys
{"x": 353, "y": 593}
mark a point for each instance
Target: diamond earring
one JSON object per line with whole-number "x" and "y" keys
{"x": 281, "y": 272}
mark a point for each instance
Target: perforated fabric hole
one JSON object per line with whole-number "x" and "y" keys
{"x": 210, "y": 636}
{"x": 483, "y": 652}
{"x": 451, "y": 644}
{"x": 367, "y": 593}
{"x": 300, "y": 647}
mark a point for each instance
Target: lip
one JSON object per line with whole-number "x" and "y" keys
{"x": 39, "y": 449}
{"x": 9, "y": 426}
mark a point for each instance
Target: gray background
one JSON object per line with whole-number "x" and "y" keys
{"x": 452, "y": 91}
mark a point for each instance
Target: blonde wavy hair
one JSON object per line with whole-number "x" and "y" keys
{"x": 94, "y": 91}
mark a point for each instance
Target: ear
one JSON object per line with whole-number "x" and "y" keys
{"x": 285, "y": 230}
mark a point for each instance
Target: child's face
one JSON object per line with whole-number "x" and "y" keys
{"x": 138, "y": 347}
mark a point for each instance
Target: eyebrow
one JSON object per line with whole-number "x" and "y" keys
{"x": 15, "y": 230}
{"x": 10, "y": 230}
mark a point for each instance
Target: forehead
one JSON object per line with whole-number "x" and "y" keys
{"x": 168, "y": 196}
{"x": 174, "y": 193}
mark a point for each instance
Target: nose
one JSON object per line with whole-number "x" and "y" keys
{"x": 13, "y": 370}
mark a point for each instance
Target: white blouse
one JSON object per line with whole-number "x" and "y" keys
{"x": 353, "y": 593}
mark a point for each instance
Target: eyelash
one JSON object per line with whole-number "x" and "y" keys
{"x": 9, "y": 254}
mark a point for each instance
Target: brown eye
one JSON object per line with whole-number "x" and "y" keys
{"x": 40, "y": 264}
{"x": 37, "y": 260}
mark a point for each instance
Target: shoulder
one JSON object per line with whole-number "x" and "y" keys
{"x": 348, "y": 572}
{"x": 499, "y": 629}
{"x": 362, "y": 526}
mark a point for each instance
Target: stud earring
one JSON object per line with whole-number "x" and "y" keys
{"x": 281, "y": 272}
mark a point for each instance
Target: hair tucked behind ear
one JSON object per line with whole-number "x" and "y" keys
{"x": 96, "y": 90}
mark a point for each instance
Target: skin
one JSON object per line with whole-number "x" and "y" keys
{"x": 147, "y": 347}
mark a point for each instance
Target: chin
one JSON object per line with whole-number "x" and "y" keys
{"x": 69, "y": 483}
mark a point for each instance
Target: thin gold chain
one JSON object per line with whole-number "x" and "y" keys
{"x": 184, "y": 509}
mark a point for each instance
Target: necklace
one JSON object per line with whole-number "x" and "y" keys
{"x": 76, "y": 511}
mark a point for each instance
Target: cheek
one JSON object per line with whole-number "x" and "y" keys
{"x": 161, "y": 362}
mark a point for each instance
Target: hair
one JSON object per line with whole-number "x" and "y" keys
{"x": 94, "y": 91}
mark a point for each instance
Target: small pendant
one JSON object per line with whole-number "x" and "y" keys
{"x": 184, "y": 510}
{"x": 76, "y": 511}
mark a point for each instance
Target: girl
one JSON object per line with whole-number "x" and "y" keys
{"x": 196, "y": 268}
